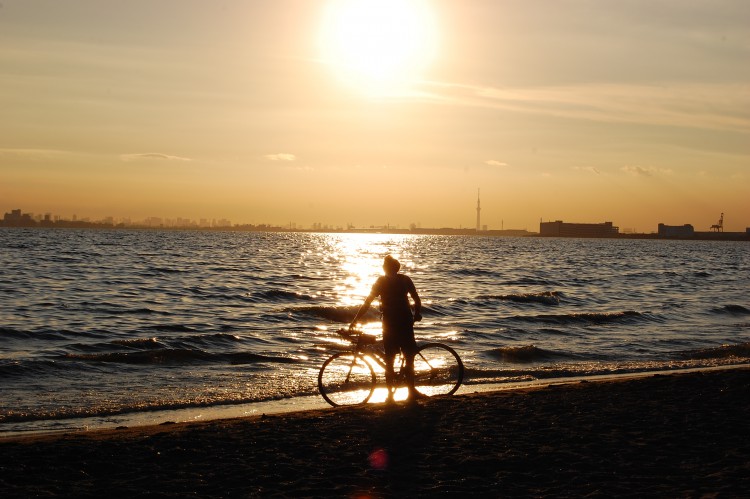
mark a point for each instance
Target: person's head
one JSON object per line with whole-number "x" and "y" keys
{"x": 391, "y": 265}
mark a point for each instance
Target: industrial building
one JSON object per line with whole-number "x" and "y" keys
{"x": 562, "y": 229}
{"x": 686, "y": 230}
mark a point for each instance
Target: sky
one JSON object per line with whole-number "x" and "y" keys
{"x": 388, "y": 112}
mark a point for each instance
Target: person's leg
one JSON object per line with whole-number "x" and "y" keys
{"x": 389, "y": 375}
{"x": 391, "y": 349}
{"x": 409, "y": 372}
{"x": 409, "y": 349}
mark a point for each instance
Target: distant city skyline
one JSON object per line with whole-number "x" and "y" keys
{"x": 378, "y": 112}
{"x": 203, "y": 222}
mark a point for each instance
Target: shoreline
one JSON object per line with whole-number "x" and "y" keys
{"x": 187, "y": 415}
{"x": 667, "y": 434}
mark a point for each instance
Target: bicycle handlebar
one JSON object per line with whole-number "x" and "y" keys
{"x": 358, "y": 337}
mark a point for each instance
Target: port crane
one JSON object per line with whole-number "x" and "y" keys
{"x": 719, "y": 227}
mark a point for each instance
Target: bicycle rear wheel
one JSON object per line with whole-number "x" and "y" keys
{"x": 346, "y": 379}
{"x": 438, "y": 370}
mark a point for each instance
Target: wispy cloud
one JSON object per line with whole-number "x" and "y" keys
{"x": 641, "y": 171}
{"x": 32, "y": 153}
{"x": 282, "y": 156}
{"x": 590, "y": 169}
{"x": 494, "y": 162}
{"x": 693, "y": 105}
{"x": 152, "y": 155}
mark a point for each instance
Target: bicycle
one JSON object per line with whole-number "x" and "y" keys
{"x": 350, "y": 377}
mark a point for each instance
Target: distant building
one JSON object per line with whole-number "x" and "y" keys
{"x": 686, "y": 230}
{"x": 17, "y": 219}
{"x": 562, "y": 229}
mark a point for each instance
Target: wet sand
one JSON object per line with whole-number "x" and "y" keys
{"x": 676, "y": 435}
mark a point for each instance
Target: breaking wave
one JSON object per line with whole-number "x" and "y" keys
{"x": 741, "y": 350}
{"x": 526, "y": 354}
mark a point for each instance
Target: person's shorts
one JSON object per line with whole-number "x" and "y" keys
{"x": 398, "y": 336}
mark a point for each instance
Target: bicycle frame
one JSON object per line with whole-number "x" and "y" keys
{"x": 351, "y": 375}
{"x": 370, "y": 351}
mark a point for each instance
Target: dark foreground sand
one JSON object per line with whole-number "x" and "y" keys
{"x": 678, "y": 435}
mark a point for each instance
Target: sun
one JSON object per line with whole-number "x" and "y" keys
{"x": 379, "y": 46}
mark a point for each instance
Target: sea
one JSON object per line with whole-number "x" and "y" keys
{"x": 110, "y": 327}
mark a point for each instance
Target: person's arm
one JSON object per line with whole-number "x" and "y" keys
{"x": 417, "y": 301}
{"x": 362, "y": 310}
{"x": 374, "y": 292}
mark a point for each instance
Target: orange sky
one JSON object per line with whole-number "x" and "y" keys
{"x": 354, "y": 112}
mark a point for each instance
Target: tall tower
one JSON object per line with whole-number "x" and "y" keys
{"x": 478, "y": 211}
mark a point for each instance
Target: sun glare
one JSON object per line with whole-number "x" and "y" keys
{"x": 379, "y": 46}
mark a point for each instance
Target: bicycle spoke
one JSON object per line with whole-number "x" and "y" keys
{"x": 346, "y": 379}
{"x": 437, "y": 370}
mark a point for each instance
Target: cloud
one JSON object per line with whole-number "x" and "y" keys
{"x": 640, "y": 171}
{"x": 32, "y": 153}
{"x": 152, "y": 155}
{"x": 282, "y": 156}
{"x": 717, "y": 106}
{"x": 637, "y": 170}
{"x": 494, "y": 162}
{"x": 590, "y": 169}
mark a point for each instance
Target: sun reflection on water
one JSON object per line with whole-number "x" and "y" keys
{"x": 360, "y": 258}
{"x": 356, "y": 262}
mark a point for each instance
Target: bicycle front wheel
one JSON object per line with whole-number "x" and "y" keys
{"x": 438, "y": 370}
{"x": 346, "y": 379}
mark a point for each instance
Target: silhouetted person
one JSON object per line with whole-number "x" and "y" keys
{"x": 398, "y": 322}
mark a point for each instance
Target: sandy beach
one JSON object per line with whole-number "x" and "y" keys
{"x": 669, "y": 435}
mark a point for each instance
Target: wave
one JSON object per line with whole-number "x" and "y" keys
{"x": 300, "y": 277}
{"x": 627, "y": 316}
{"x": 12, "y": 368}
{"x": 163, "y": 270}
{"x": 275, "y": 295}
{"x": 45, "y": 334}
{"x": 176, "y": 356}
{"x": 343, "y": 314}
{"x": 533, "y": 281}
{"x": 731, "y": 309}
{"x": 526, "y": 354}
{"x": 545, "y": 298}
{"x": 473, "y": 273}
{"x": 138, "y": 342}
{"x": 173, "y": 328}
{"x": 210, "y": 340}
{"x": 72, "y": 412}
{"x": 740, "y": 350}
{"x": 9, "y": 332}
{"x": 436, "y": 309}
{"x": 528, "y": 371}
{"x": 112, "y": 309}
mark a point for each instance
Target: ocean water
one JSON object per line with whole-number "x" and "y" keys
{"x": 97, "y": 323}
